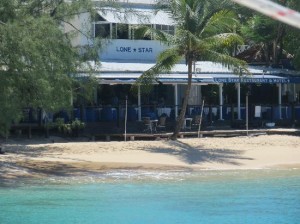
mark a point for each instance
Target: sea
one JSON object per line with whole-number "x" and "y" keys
{"x": 167, "y": 197}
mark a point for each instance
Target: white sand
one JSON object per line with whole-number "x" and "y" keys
{"x": 265, "y": 151}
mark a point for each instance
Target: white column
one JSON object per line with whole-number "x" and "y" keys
{"x": 279, "y": 99}
{"x": 238, "y": 85}
{"x": 110, "y": 30}
{"x": 139, "y": 104}
{"x": 176, "y": 100}
{"x": 96, "y": 96}
{"x": 94, "y": 30}
{"x": 221, "y": 100}
{"x": 200, "y": 94}
{"x": 247, "y": 113}
{"x": 129, "y": 32}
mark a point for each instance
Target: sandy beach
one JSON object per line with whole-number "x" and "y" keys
{"x": 42, "y": 157}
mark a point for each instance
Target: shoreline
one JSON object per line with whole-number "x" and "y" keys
{"x": 39, "y": 158}
{"x": 36, "y": 172}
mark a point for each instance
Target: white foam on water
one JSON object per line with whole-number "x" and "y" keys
{"x": 131, "y": 176}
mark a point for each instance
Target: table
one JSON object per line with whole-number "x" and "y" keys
{"x": 150, "y": 124}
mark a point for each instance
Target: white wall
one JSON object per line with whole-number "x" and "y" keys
{"x": 195, "y": 95}
{"x": 80, "y": 22}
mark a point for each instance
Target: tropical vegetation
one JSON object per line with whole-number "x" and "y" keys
{"x": 37, "y": 59}
{"x": 274, "y": 41}
{"x": 205, "y": 30}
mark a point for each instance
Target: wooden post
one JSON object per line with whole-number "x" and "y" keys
{"x": 125, "y": 119}
{"x": 200, "y": 122}
{"x": 247, "y": 121}
{"x": 210, "y": 114}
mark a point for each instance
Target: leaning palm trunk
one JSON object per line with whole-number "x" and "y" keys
{"x": 181, "y": 119}
{"x": 203, "y": 31}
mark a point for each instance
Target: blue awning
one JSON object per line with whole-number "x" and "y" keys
{"x": 269, "y": 80}
{"x": 210, "y": 73}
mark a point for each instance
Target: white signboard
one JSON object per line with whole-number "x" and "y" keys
{"x": 133, "y": 50}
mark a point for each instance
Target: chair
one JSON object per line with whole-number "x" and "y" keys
{"x": 196, "y": 121}
{"x": 147, "y": 124}
{"x": 161, "y": 123}
{"x": 187, "y": 123}
{"x": 257, "y": 120}
{"x": 257, "y": 112}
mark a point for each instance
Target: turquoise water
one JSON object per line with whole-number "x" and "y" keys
{"x": 259, "y": 196}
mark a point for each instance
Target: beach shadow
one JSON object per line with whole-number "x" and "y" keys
{"x": 23, "y": 149}
{"x": 29, "y": 169}
{"x": 196, "y": 154}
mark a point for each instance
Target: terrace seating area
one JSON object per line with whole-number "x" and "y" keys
{"x": 108, "y": 119}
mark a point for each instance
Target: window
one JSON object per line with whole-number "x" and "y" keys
{"x": 135, "y": 36}
{"x": 102, "y": 30}
{"x": 122, "y": 31}
{"x": 166, "y": 28}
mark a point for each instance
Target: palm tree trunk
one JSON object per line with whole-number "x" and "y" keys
{"x": 277, "y": 47}
{"x": 180, "y": 120}
{"x": 266, "y": 53}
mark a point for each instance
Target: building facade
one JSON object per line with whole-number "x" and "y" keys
{"x": 125, "y": 56}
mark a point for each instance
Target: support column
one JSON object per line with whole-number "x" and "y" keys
{"x": 279, "y": 99}
{"x": 221, "y": 100}
{"x": 110, "y": 31}
{"x": 238, "y": 86}
{"x": 200, "y": 94}
{"x": 139, "y": 104}
{"x": 176, "y": 100}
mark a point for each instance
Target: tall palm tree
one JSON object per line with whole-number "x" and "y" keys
{"x": 204, "y": 31}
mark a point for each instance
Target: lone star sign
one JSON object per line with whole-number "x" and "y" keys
{"x": 273, "y": 10}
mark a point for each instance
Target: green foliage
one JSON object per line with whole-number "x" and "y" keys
{"x": 37, "y": 60}
{"x": 68, "y": 128}
{"x": 259, "y": 29}
{"x": 77, "y": 124}
{"x": 205, "y": 30}
{"x": 277, "y": 40}
{"x": 61, "y": 126}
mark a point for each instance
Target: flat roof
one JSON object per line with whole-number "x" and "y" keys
{"x": 200, "y": 68}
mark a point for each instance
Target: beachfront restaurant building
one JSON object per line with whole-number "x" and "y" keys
{"x": 273, "y": 94}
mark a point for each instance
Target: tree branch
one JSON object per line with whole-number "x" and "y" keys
{"x": 76, "y": 28}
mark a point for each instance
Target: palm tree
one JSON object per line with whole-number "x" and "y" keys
{"x": 204, "y": 31}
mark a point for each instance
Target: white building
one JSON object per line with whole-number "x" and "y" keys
{"x": 125, "y": 56}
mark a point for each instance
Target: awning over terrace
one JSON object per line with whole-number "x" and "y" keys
{"x": 130, "y": 78}
{"x": 204, "y": 73}
{"x": 135, "y": 16}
